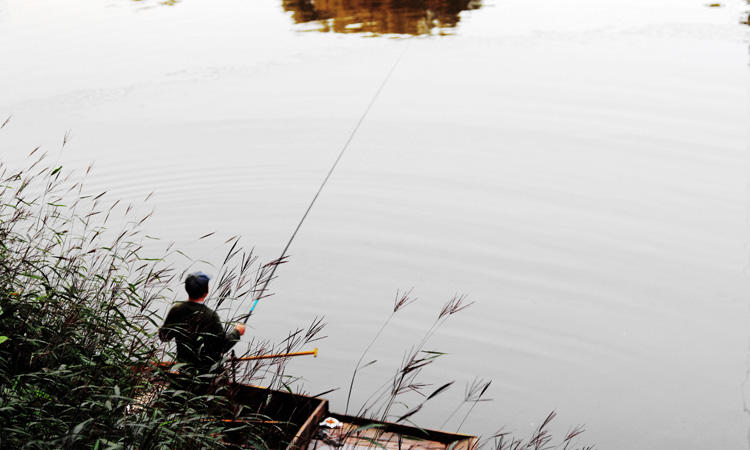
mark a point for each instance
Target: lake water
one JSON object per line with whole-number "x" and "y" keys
{"x": 578, "y": 168}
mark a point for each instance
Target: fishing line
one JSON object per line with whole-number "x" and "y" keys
{"x": 325, "y": 180}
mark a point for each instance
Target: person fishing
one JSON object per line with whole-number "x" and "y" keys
{"x": 200, "y": 336}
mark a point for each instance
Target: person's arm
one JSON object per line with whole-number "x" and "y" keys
{"x": 225, "y": 341}
{"x": 166, "y": 332}
{"x": 230, "y": 339}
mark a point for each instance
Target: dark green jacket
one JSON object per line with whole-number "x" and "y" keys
{"x": 199, "y": 334}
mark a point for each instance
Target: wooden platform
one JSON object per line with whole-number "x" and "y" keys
{"x": 292, "y": 422}
{"x": 359, "y": 433}
{"x": 302, "y": 416}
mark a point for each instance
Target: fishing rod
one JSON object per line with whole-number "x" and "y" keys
{"x": 280, "y": 260}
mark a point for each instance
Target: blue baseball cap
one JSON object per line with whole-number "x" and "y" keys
{"x": 196, "y": 284}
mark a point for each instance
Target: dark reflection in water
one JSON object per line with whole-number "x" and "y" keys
{"x": 414, "y": 17}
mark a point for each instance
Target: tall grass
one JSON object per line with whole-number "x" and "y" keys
{"x": 79, "y": 309}
{"x": 394, "y": 400}
{"x": 541, "y": 439}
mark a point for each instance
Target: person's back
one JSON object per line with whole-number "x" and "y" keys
{"x": 200, "y": 336}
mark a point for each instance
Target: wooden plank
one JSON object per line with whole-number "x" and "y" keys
{"x": 390, "y": 436}
{"x": 406, "y": 430}
{"x": 306, "y": 431}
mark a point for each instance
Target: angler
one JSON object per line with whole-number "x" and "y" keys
{"x": 201, "y": 339}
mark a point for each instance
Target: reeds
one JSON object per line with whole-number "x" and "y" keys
{"x": 406, "y": 379}
{"x": 541, "y": 439}
{"x": 388, "y": 403}
{"x": 79, "y": 307}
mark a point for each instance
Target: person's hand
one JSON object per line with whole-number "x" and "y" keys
{"x": 240, "y": 328}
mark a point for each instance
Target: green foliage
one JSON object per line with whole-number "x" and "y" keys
{"x": 76, "y": 310}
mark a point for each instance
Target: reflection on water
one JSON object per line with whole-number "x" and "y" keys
{"x": 415, "y": 17}
{"x": 149, "y": 4}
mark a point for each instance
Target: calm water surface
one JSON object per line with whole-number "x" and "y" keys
{"x": 579, "y": 168}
